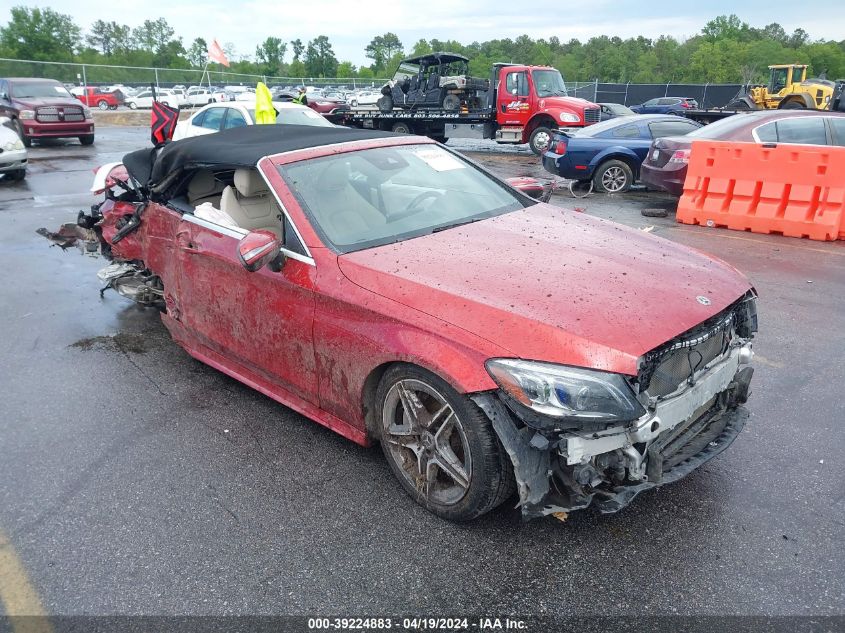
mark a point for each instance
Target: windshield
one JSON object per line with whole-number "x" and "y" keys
{"x": 549, "y": 83}
{"x": 37, "y": 89}
{"x": 406, "y": 70}
{"x": 295, "y": 116}
{"x": 368, "y": 198}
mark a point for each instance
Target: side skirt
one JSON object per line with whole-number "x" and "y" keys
{"x": 237, "y": 371}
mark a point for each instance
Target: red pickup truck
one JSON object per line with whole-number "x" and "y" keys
{"x": 43, "y": 108}
{"x": 93, "y": 96}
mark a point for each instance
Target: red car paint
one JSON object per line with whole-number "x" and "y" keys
{"x": 542, "y": 283}
{"x": 96, "y": 98}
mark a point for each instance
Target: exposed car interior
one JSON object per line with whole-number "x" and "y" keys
{"x": 237, "y": 198}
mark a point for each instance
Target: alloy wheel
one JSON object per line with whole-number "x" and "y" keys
{"x": 425, "y": 438}
{"x": 613, "y": 180}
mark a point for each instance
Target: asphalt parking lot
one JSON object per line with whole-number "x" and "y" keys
{"x": 136, "y": 480}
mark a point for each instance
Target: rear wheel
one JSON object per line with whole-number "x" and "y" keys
{"x": 385, "y": 103}
{"x": 441, "y": 446}
{"x": 133, "y": 105}
{"x": 451, "y": 103}
{"x": 401, "y": 128}
{"x": 540, "y": 139}
{"x": 88, "y": 139}
{"x": 613, "y": 176}
{"x": 793, "y": 105}
{"x": 27, "y": 142}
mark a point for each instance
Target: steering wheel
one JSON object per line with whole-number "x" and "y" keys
{"x": 416, "y": 205}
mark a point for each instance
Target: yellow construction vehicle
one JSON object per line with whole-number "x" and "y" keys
{"x": 788, "y": 88}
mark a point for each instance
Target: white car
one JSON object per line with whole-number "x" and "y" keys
{"x": 224, "y": 116}
{"x": 246, "y": 96}
{"x": 12, "y": 152}
{"x": 364, "y": 98}
{"x": 144, "y": 99}
{"x": 199, "y": 96}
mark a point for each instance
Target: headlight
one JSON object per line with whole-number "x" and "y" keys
{"x": 13, "y": 145}
{"x": 27, "y": 115}
{"x": 569, "y": 394}
{"x": 87, "y": 111}
{"x": 568, "y": 117}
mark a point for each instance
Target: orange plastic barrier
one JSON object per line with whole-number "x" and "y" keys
{"x": 795, "y": 190}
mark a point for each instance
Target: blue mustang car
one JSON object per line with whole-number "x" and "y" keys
{"x": 610, "y": 153}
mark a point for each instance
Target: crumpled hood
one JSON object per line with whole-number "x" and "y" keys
{"x": 546, "y": 283}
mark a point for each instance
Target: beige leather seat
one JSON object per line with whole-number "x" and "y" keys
{"x": 344, "y": 214}
{"x": 204, "y": 187}
{"x": 250, "y": 203}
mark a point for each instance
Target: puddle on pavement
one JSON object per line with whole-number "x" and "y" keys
{"x": 120, "y": 342}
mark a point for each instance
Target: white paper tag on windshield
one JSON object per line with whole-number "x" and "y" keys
{"x": 439, "y": 160}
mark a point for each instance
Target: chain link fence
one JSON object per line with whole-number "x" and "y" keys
{"x": 135, "y": 76}
{"x": 708, "y": 95}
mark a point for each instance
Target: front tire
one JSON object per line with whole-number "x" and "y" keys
{"x": 613, "y": 176}
{"x": 103, "y": 104}
{"x": 401, "y": 128}
{"x": 440, "y": 445}
{"x": 88, "y": 139}
{"x": 27, "y": 142}
{"x": 540, "y": 139}
{"x": 17, "y": 175}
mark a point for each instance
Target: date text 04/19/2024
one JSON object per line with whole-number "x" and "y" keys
{"x": 417, "y": 624}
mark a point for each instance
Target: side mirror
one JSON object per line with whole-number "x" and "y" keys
{"x": 257, "y": 249}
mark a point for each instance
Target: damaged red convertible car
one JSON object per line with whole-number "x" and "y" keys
{"x": 396, "y": 292}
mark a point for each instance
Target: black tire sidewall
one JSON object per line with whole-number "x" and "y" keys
{"x": 537, "y": 130}
{"x": 629, "y": 174}
{"x": 485, "y": 450}
{"x": 88, "y": 139}
{"x": 27, "y": 142}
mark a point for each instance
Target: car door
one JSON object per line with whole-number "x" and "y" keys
{"x": 514, "y": 105}
{"x": 234, "y": 118}
{"x": 260, "y": 324}
{"x": 210, "y": 122}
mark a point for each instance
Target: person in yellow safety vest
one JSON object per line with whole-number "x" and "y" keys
{"x": 301, "y": 98}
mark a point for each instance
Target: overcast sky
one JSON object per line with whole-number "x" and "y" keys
{"x": 351, "y": 24}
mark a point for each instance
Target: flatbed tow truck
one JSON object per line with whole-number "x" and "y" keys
{"x": 522, "y": 104}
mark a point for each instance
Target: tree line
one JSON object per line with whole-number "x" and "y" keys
{"x": 726, "y": 50}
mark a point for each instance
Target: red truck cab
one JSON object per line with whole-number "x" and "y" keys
{"x": 43, "y": 108}
{"x": 93, "y": 96}
{"x": 531, "y": 101}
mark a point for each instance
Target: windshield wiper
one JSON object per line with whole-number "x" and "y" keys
{"x": 437, "y": 229}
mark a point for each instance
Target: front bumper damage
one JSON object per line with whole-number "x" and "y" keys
{"x": 562, "y": 471}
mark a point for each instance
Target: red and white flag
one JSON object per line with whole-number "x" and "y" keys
{"x": 215, "y": 54}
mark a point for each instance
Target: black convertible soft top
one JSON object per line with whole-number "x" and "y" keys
{"x": 235, "y": 148}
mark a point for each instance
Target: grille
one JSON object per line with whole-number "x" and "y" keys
{"x": 53, "y": 114}
{"x": 670, "y": 366}
{"x": 592, "y": 115}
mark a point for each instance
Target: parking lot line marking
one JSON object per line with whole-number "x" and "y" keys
{"x": 748, "y": 239}
{"x": 17, "y": 594}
